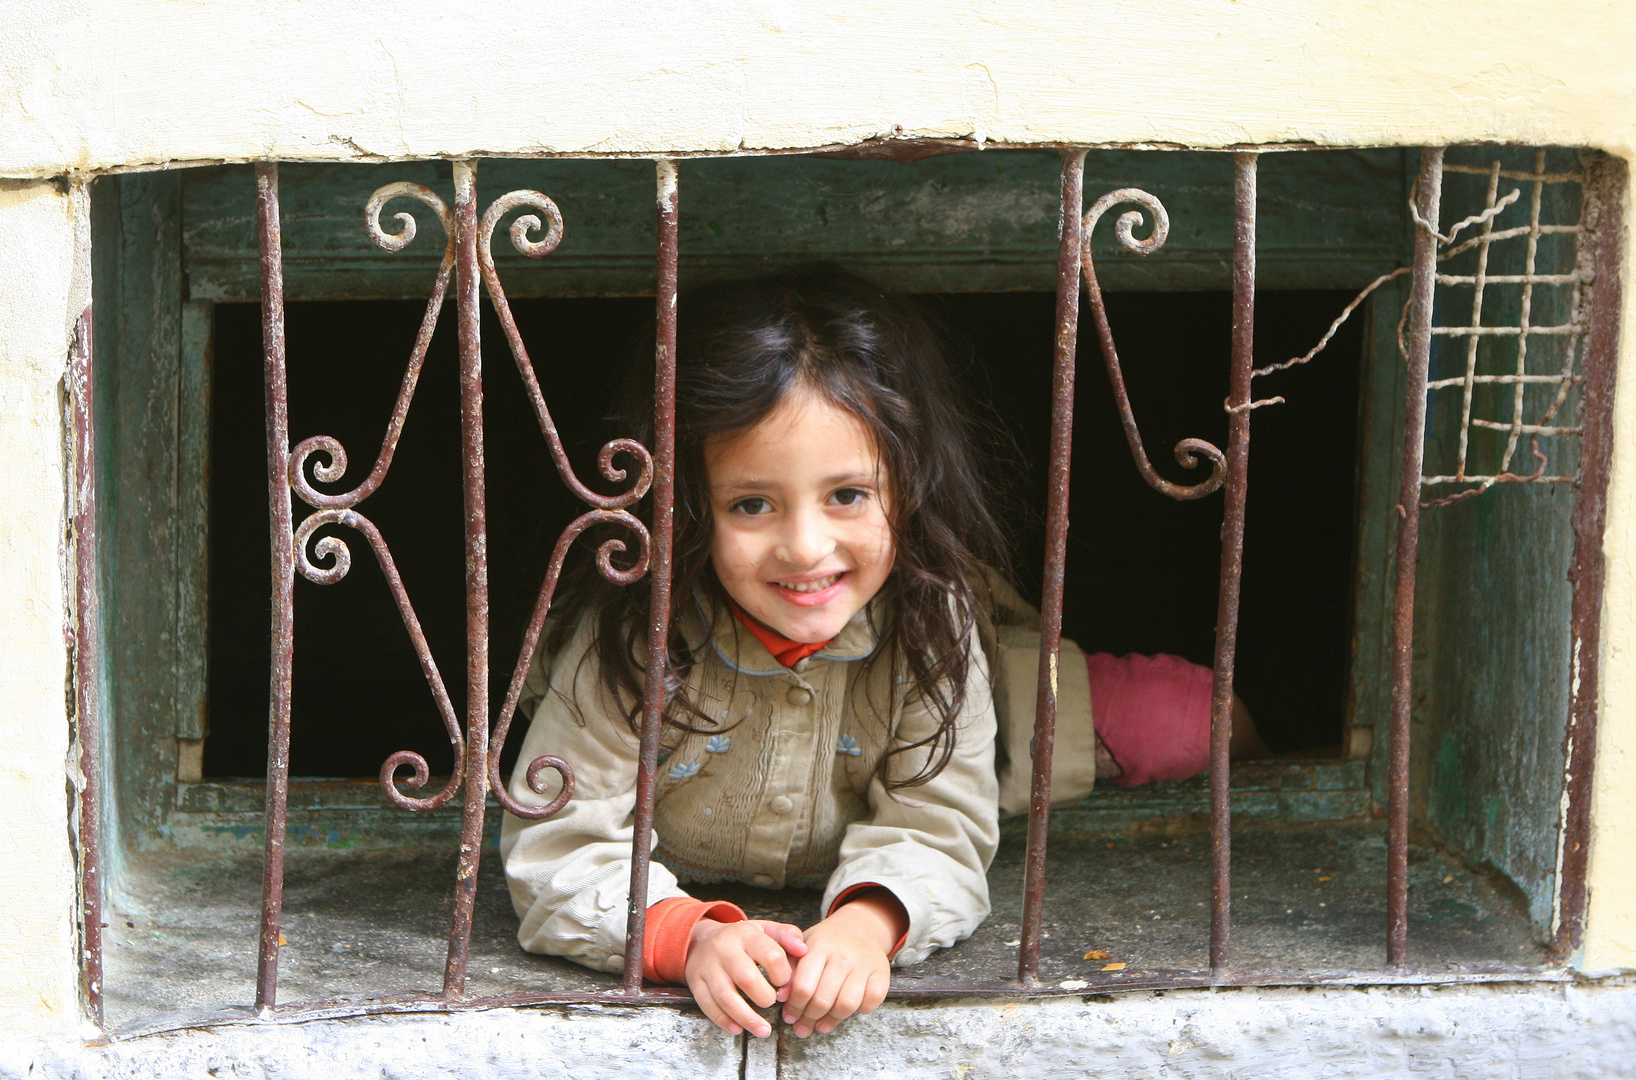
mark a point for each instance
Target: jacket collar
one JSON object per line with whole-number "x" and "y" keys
{"x": 743, "y": 651}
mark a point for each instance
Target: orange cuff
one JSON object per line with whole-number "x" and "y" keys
{"x": 854, "y": 892}
{"x": 670, "y": 929}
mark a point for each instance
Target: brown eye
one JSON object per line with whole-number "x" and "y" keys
{"x": 850, "y": 496}
{"x": 753, "y": 505}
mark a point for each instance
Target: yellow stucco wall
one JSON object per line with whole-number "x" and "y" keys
{"x": 1610, "y": 935}
{"x": 40, "y": 296}
{"x": 104, "y": 82}
{"x": 93, "y": 84}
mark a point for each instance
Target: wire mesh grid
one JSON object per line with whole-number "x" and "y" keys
{"x": 1512, "y": 299}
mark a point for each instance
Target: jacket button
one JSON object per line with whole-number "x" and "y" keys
{"x": 781, "y": 804}
{"x": 764, "y": 880}
{"x": 799, "y": 695}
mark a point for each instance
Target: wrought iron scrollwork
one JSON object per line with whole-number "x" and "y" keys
{"x": 335, "y": 549}
{"x": 336, "y": 464}
{"x": 538, "y": 249}
{"x": 1190, "y": 453}
{"x": 531, "y": 640}
{"x": 526, "y": 236}
{"x": 323, "y": 460}
{"x": 328, "y": 460}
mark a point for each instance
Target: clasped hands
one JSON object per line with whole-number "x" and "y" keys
{"x": 837, "y": 967}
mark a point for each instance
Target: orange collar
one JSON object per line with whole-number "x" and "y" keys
{"x": 786, "y": 652}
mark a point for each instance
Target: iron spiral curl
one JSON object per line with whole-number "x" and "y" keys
{"x": 397, "y": 241}
{"x": 538, "y": 249}
{"x": 524, "y": 224}
{"x": 335, "y": 548}
{"x": 531, "y": 640}
{"x": 1190, "y": 453}
{"x": 336, "y": 465}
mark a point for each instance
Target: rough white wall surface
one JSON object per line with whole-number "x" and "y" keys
{"x": 92, "y": 83}
{"x": 40, "y": 296}
{"x": 571, "y": 1044}
{"x": 1554, "y": 1031}
{"x": 1610, "y": 917}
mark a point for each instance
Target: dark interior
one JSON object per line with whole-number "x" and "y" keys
{"x": 1142, "y": 568}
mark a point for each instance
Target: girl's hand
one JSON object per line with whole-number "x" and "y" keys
{"x": 722, "y": 964}
{"x": 847, "y": 968}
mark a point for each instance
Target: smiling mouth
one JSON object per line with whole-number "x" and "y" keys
{"x": 815, "y": 586}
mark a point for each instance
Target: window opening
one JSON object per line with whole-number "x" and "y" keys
{"x": 358, "y": 684}
{"x": 1141, "y": 569}
{"x": 358, "y": 681}
{"x": 473, "y": 756}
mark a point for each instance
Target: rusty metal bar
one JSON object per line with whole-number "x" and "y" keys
{"x": 1428, "y": 200}
{"x": 86, "y": 644}
{"x": 1070, "y": 230}
{"x": 1232, "y": 560}
{"x": 664, "y": 488}
{"x": 1606, "y": 187}
{"x": 468, "y": 285}
{"x": 282, "y": 541}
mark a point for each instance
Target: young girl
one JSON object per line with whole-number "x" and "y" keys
{"x": 831, "y": 713}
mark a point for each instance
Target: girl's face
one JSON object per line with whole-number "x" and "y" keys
{"x": 801, "y": 537}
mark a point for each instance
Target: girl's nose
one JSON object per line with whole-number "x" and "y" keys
{"x": 806, "y": 540}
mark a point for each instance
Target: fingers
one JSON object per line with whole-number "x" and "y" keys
{"x": 860, "y": 995}
{"x": 706, "y": 1000}
{"x": 880, "y": 984}
{"x": 833, "y": 991}
{"x": 826, "y": 990}
{"x": 846, "y": 1003}
{"x": 800, "y": 988}
{"x": 816, "y": 990}
{"x": 720, "y": 1000}
{"x": 726, "y": 967}
{"x": 744, "y": 973}
{"x": 773, "y": 957}
{"x": 789, "y": 938}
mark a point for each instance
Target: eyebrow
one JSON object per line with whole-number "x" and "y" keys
{"x": 755, "y": 483}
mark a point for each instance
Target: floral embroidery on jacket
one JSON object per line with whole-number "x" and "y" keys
{"x": 719, "y": 744}
{"x": 683, "y": 769}
{"x": 846, "y": 744}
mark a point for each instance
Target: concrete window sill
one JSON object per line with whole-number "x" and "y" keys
{"x": 365, "y": 923}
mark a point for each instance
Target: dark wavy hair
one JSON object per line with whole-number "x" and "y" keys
{"x": 742, "y": 346}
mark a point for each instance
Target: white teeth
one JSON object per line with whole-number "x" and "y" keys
{"x": 810, "y": 586}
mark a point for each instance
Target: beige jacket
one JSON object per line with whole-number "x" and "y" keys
{"x": 787, "y": 793}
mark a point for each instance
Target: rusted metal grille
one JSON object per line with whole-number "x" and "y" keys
{"x": 1537, "y": 367}
{"x": 1579, "y": 354}
{"x": 469, "y": 263}
{"x": 1228, "y": 470}
{"x": 1552, "y": 379}
{"x": 1538, "y": 363}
